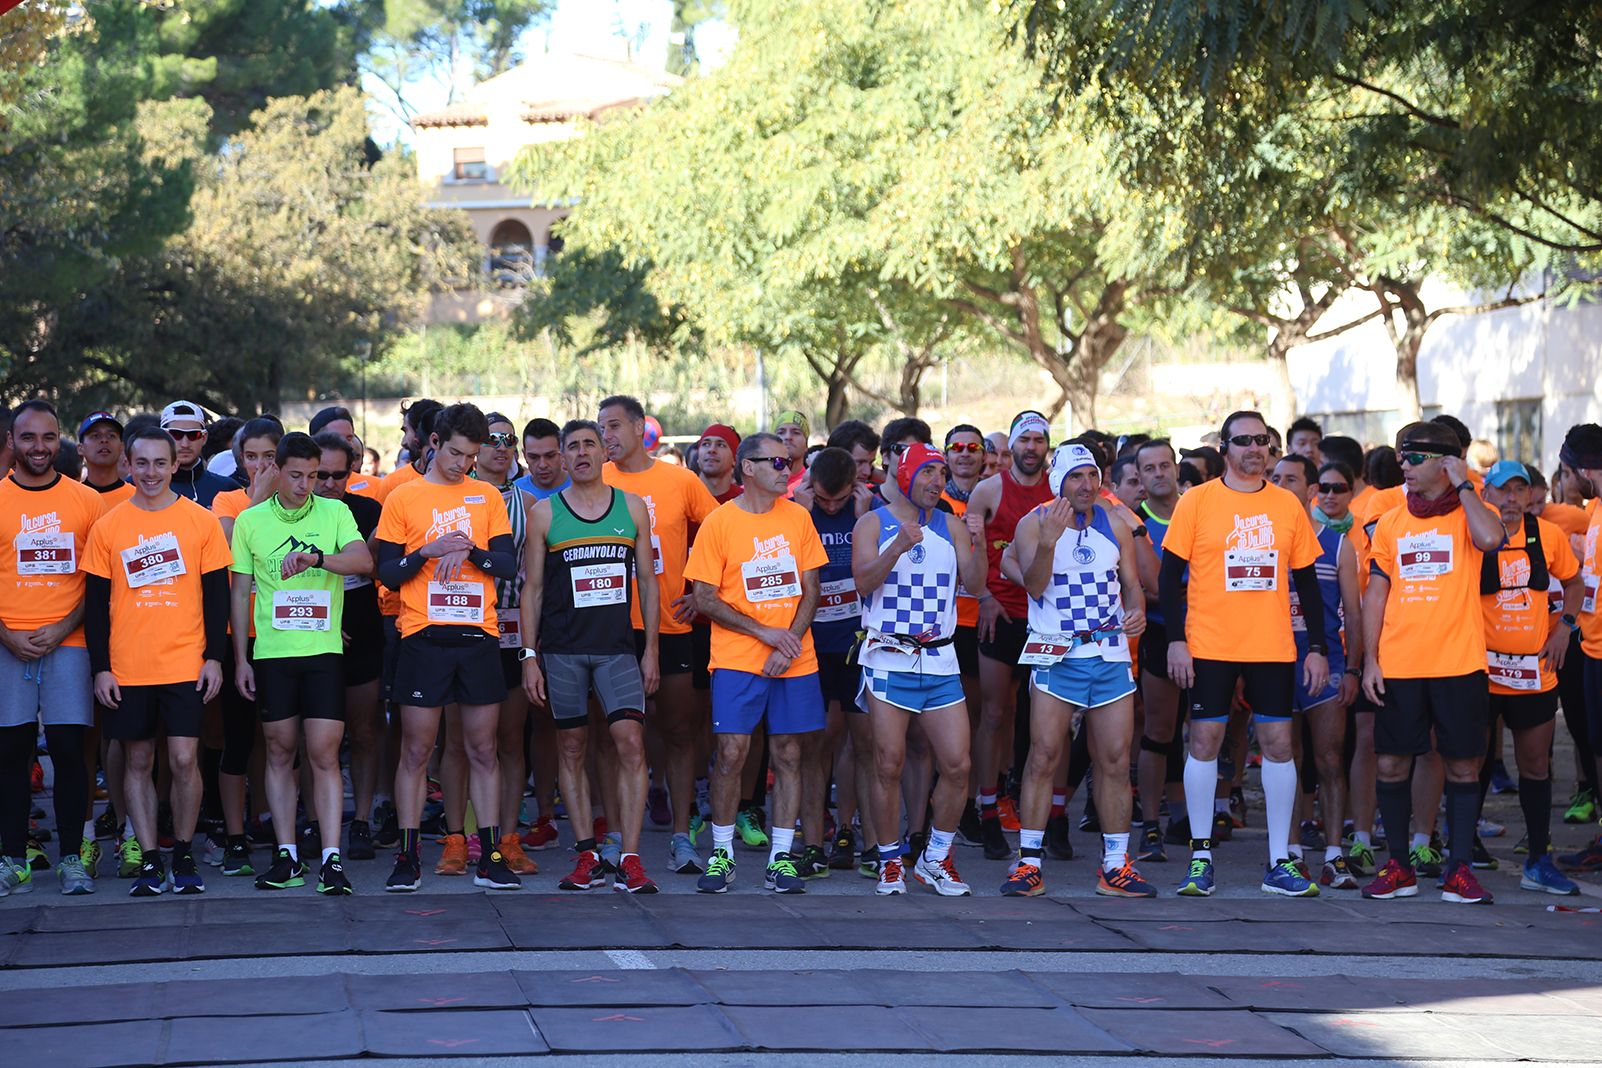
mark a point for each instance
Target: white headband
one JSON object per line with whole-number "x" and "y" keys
{"x": 1030, "y": 421}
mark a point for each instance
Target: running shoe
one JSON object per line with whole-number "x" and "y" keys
{"x": 106, "y": 825}
{"x": 1360, "y": 858}
{"x": 1198, "y": 881}
{"x": 940, "y": 876}
{"x": 543, "y": 835}
{"x": 1541, "y": 874}
{"x": 631, "y": 877}
{"x": 1152, "y": 850}
{"x": 1426, "y": 860}
{"x": 386, "y": 832}
{"x": 1223, "y": 827}
{"x": 453, "y": 859}
{"x": 1501, "y": 781}
{"x": 1302, "y": 867}
{"x": 15, "y": 878}
{"x": 184, "y": 876}
{"x": 968, "y": 832}
{"x": 1489, "y": 828}
{"x": 1288, "y": 880}
{"x": 589, "y": 871}
{"x": 657, "y": 807}
{"x": 1311, "y": 835}
{"x": 517, "y": 860}
{"x": 1582, "y": 806}
{"x": 35, "y": 856}
{"x": 682, "y": 857}
{"x": 286, "y": 872}
{"x": 1178, "y": 832}
{"x": 996, "y": 845}
{"x": 1393, "y": 880}
{"x": 843, "y": 853}
{"x": 406, "y": 876}
{"x": 1007, "y": 813}
{"x": 915, "y": 843}
{"x": 493, "y": 874}
{"x": 1463, "y": 888}
{"x": 719, "y": 873}
{"x": 1337, "y": 875}
{"x": 697, "y": 824}
{"x": 130, "y": 858}
{"x": 216, "y": 849}
{"x": 331, "y": 881}
{"x": 1089, "y": 820}
{"x": 1025, "y": 881}
{"x": 611, "y": 849}
{"x": 781, "y": 876}
{"x": 868, "y": 863}
{"x": 72, "y": 878}
{"x": 150, "y": 880}
{"x": 892, "y": 878}
{"x": 89, "y": 856}
{"x": 1586, "y": 859}
{"x": 1123, "y": 881}
{"x": 362, "y": 846}
{"x": 1482, "y": 859}
{"x": 1522, "y": 846}
{"x": 814, "y": 863}
{"x": 236, "y": 859}
{"x": 749, "y": 828}
{"x": 1059, "y": 846}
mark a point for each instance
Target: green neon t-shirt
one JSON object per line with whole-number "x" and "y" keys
{"x": 298, "y": 616}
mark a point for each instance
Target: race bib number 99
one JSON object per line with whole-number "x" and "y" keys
{"x": 153, "y": 561}
{"x": 1251, "y": 569}
{"x": 1420, "y": 556}
{"x": 46, "y": 554}
{"x": 455, "y": 602}
{"x": 777, "y": 579}
{"x": 302, "y": 610}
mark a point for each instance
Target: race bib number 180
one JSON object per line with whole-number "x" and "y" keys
{"x": 595, "y": 585}
{"x": 776, "y": 579}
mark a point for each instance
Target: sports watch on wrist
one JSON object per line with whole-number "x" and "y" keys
{"x": 1568, "y": 617}
{"x": 525, "y": 654}
{"x": 1465, "y": 486}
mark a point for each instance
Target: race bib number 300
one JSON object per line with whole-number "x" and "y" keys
{"x": 153, "y": 561}
{"x": 45, "y": 554}
{"x": 1421, "y": 556}
{"x": 1251, "y": 569}
{"x": 455, "y": 602}
{"x": 595, "y": 585}
{"x": 302, "y": 610}
{"x": 837, "y": 601}
{"x": 777, "y": 579}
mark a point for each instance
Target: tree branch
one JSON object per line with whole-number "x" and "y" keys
{"x": 1407, "y": 105}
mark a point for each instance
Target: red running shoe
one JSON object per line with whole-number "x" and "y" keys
{"x": 543, "y": 835}
{"x": 1462, "y": 888}
{"x": 631, "y": 877}
{"x": 588, "y": 873}
{"x": 1393, "y": 880}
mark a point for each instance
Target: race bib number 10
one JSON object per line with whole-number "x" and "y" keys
{"x": 455, "y": 602}
{"x": 777, "y": 579}
{"x": 837, "y": 601}
{"x": 45, "y": 554}
{"x": 153, "y": 561}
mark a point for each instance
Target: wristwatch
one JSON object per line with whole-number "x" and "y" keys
{"x": 1141, "y": 531}
{"x": 1568, "y": 617}
{"x": 319, "y": 562}
{"x": 1465, "y": 485}
{"x": 525, "y": 654}
{"x": 1321, "y": 650}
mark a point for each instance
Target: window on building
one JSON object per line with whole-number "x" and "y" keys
{"x": 1518, "y": 430}
{"x": 511, "y": 254}
{"x": 470, "y": 165}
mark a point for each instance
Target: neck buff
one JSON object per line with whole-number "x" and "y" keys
{"x": 1445, "y": 504}
{"x": 1339, "y": 526}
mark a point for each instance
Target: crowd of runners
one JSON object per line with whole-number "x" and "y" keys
{"x": 846, "y": 655}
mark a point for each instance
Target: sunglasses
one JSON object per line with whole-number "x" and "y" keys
{"x": 780, "y": 463}
{"x": 1415, "y": 459}
{"x": 965, "y": 446}
{"x": 1334, "y": 487}
{"x": 499, "y": 440}
{"x": 332, "y": 476}
{"x": 187, "y": 435}
{"x": 1244, "y": 440}
{"x": 900, "y": 447}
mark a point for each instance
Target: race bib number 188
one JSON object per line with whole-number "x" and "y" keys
{"x": 455, "y": 602}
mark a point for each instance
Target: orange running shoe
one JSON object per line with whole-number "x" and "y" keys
{"x": 543, "y": 835}
{"x": 516, "y": 859}
{"x": 1026, "y": 881}
{"x": 1007, "y": 810}
{"x": 1124, "y": 882}
{"x": 453, "y": 861}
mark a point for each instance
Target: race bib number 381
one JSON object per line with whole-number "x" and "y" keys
{"x": 45, "y": 554}
{"x": 777, "y": 579}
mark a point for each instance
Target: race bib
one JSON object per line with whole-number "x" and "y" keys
{"x": 302, "y": 610}
{"x": 356, "y": 582}
{"x": 777, "y": 579}
{"x": 46, "y": 554}
{"x": 837, "y": 601}
{"x": 511, "y": 624}
{"x": 1251, "y": 569}
{"x": 656, "y": 554}
{"x": 1298, "y": 620}
{"x": 153, "y": 561}
{"x": 455, "y": 602}
{"x": 1044, "y": 650}
{"x": 1513, "y": 671}
{"x": 1588, "y": 604}
{"x": 1421, "y": 556}
{"x": 595, "y": 585}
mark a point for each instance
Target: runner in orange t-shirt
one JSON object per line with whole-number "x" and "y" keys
{"x": 156, "y": 622}
{"x": 676, "y": 500}
{"x": 1245, "y": 543}
{"x": 1425, "y": 657}
{"x": 45, "y": 520}
{"x": 443, "y": 540}
{"x": 755, "y": 567}
{"x": 1581, "y": 455}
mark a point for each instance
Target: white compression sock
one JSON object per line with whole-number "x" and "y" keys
{"x": 1279, "y": 803}
{"x": 1201, "y": 779}
{"x": 783, "y": 839}
{"x": 723, "y": 837}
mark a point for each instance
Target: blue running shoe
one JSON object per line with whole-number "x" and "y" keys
{"x": 1198, "y": 881}
{"x": 1541, "y": 874}
{"x": 1287, "y": 880}
{"x": 782, "y": 878}
{"x": 184, "y": 876}
{"x": 719, "y": 873}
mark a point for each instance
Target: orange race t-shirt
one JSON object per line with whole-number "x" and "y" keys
{"x": 364, "y": 485}
{"x": 756, "y": 561}
{"x": 1242, "y": 548}
{"x": 1359, "y": 505}
{"x": 229, "y": 504}
{"x": 675, "y": 499}
{"x": 403, "y": 474}
{"x": 114, "y": 494}
{"x": 1433, "y": 627}
{"x": 1591, "y": 574}
{"x": 418, "y": 512}
{"x": 41, "y": 575}
{"x": 967, "y": 603}
{"x": 154, "y": 561}
{"x": 1566, "y": 517}
{"x": 1518, "y": 619}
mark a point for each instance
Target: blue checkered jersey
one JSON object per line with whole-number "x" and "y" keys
{"x": 1084, "y": 593}
{"x": 918, "y": 599}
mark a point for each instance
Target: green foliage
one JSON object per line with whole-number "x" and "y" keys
{"x": 595, "y": 300}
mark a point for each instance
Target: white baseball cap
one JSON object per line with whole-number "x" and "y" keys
{"x": 182, "y": 411}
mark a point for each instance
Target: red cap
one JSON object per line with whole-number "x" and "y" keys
{"x": 728, "y": 434}
{"x": 914, "y": 459}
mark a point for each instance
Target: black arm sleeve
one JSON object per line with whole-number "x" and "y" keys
{"x": 1312, "y": 598}
{"x": 499, "y": 560}
{"x": 395, "y": 567}
{"x": 1171, "y": 594}
{"x": 97, "y": 622}
{"x": 214, "y": 598}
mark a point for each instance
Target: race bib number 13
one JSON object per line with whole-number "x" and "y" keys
{"x": 1044, "y": 650}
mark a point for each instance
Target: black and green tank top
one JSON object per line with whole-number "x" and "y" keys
{"x": 589, "y": 572}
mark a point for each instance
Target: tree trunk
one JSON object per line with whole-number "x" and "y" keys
{"x": 1403, "y": 297}
{"x": 834, "y": 411}
{"x": 1284, "y": 410}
